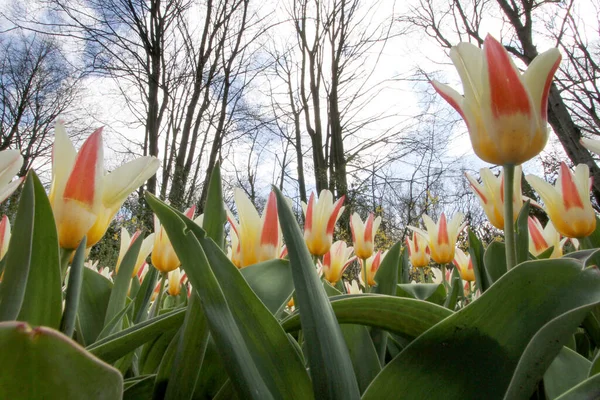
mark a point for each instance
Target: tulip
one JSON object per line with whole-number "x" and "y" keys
{"x": 363, "y": 234}
{"x": 174, "y": 282}
{"x": 568, "y": 202}
{"x": 465, "y": 265}
{"x": 491, "y": 195}
{"x": 373, "y": 263}
{"x": 336, "y": 260}
{"x": 441, "y": 236}
{"x": 4, "y": 236}
{"x": 505, "y": 111}
{"x": 145, "y": 249}
{"x": 352, "y": 288}
{"x": 540, "y": 239}
{"x": 320, "y": 218}
{"x": 418, "y": 250}
{"x": 83, "y": 198}
{"x": 164, "y": 258}
{"x": 10, "y": 163}
{"x": 254, "y": 239}
{"x": 591, "y": 145}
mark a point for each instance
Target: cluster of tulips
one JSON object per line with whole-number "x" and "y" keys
{"x": 512, "y": 320}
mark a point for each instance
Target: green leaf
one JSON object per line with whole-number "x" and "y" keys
{"x": 586, "y": 390}
{"x": 494, "y": 260}
{"x": 18, "y": 257}
{"x": 195, "y": 333}
{"x": 44, "y": 364}
{"x": 595, "y": 366}
{"x": 544, "y": 255}
{"x": 214, "y": 211}
{"x": 93, "y": 300}
{"x": 190, "y": 352}
{"x": 166, "y": 367}
{"x": 386, "y": 278}
{"x": 365, "y": 360}
{"x": 118, "y": 294}
{"x": 111, "y": 326}
{"x": 42, "y": 304}
{"x": 405, "y": 275}
{"x": 328, "y": 358}
{"x": 567, "y": 370}
{"x": 67, "y": 324}
{"x": 405, "y": 316}
{"x": 503, "y": 341}
{"x": 119, "y": 344}
{"x": 522, "y": 234}
{"x": 476, "y": 251}
{"x": 152, "y": 353}
{"x": 271, "y": 281}
{"x": 455, "y": 290}
{"x": 142, "y": 300}
{"x": 245, "y": 331}
{"x": 213, "y": 374}
{"x": 139, "y": 389}
{"x": 432, "y": 292}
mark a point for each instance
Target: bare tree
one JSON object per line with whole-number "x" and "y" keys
{"x": 37, "y": 85}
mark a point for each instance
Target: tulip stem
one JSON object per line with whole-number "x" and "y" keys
{"x": 156, "y": 306}
{"x": 364, "y": 274}
{"x": 65, "y": 257}
{"x": 422, "y": 275}
{"x": 509, "y": 221}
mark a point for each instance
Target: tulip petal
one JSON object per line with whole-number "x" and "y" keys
{"x": 591, "y": 145}
{"x": 468, "y": 60}
{"x": 538, "y": 79}
{"x": 7, "y": 190}
{"x": 10, "y": 163}
{"x": 119, "y": 184}
{"x": 507, "y": 93}
{"x": 546, "y": 191}
{"x": 452, "y": 97}
{"x": 87, "y": 172}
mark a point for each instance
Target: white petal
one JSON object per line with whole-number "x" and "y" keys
{"x": 122, "y": 181}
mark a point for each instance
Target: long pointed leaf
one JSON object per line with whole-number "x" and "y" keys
{"x": 328, "y": 358}
{"x": 18, "y": 257}
{"x": 42, "y": 304}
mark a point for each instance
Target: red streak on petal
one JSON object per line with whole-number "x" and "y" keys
{"x": 544, "y": 105}
{"x": 309, "y": 213}
{"x": 81, "y": 185}
{"x": 443, "y": 231}
{"x": 408, "y": 246}
{"x": 270, "y": 230}
{"x": 369, "y": 229}
{"x": 3, "y": 224}
{"x": 190, "y": 212}
{"x": 538, "y": 238}
{"x": 451, "y": 101}
{"x": 135, "y": 236}
{"x": 569, "y": 189}
{"x": 416, "y": 242}
{"x": 508, "y": 94}
{"x": 502, "y": 190}
{"x": 327, "y": 259}
{"x": 336, "y": 209}
{"x": 376, "y": 261}
{"x": 480, "y": 194}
